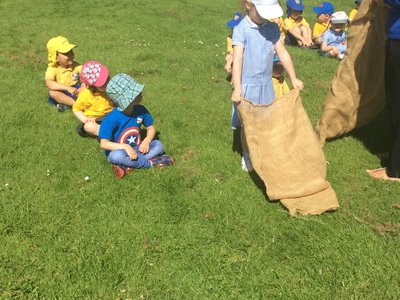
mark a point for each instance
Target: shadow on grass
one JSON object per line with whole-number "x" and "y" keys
{"x": 237, "y": 148}
{"x": 259, "y": 183}
{"x": 376, "y": 136}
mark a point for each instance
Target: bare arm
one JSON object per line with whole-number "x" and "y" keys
{"x": 81, "y": 117}
{"x": 237, "y": 73}
{"x": 287, "y": 63}
{"x": 296, "y": 33}
{"x": 108, "y": 145}
{"x": 144, "y": 147}
{"x": 55, "y": 86}
{"x": 326, "y": 48}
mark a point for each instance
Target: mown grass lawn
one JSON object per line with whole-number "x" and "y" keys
{"x": 201, "y": 229}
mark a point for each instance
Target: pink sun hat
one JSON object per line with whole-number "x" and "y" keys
{"x": 94, "y": 73}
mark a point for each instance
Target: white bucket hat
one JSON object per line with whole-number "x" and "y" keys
{"x": 339, "y": 17}
{"x": 268, "y": 9}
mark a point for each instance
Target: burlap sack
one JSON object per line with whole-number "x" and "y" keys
{"x": 357, "y": 92}
{"x": 286, "y": 154}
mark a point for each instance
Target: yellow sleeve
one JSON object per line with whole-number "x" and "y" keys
{"x": 304, "y": 22}
{"x": 285, "y": 87}
{"x": 229, "y": 48}
{"x": 50, "y": 73}
{"x": 288, "y": 24}
{"x": 318, "y": 29}
{"x": 352, "y": 14}
{"x": 82, "y": 103}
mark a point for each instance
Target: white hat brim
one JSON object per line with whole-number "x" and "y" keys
{"x": 269, "y": 11}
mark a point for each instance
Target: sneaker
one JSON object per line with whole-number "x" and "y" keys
{"x": 162, "y": 161}
{"x": 60, "y": 107}
{"x": 119, "y": 171}
{"x": 129, "y": 170}
{"x": 81, "y": 130}
{"x": 246, "y": 164}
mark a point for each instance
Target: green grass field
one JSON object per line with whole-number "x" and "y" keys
{"x": 202, "y": 229}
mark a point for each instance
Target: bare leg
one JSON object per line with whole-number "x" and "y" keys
{"x": 92, "y": 128}
{"x": 305, "y": 32}
{"x": 61, "y": 98}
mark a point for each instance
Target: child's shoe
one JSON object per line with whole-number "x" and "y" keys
{"x": 81, "y": 131}
{"x": 129, "y": 170}
{"x": 246, "y": 164}
{"x": 162, "y": 161}
{"x": 119, "y": 171}
{"x": 60, "y": 107}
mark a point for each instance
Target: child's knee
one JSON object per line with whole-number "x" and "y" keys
{"x": 157, "y": 146}
{"x": 91, "y": 127}
{"x": 116, "y": 156}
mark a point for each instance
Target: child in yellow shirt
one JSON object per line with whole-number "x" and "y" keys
{"x": 278, "y": 78}
{"x": 93, "y": 103}
{"x": 237, "y": 17}
{"x": 354, "y": 10}
{"x": 62, "y": 74}
{"x": 297, "y": 30}
{"x": 324, "y": 13}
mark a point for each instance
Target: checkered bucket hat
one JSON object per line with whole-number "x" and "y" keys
{"x": 123, "y": 90}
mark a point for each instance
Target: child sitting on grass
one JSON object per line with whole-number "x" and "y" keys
{"x": 324, "y": 13}
{"x": 278, "y": 78}
{"x": 334, "y": 40}
{"x": 354, "y": 10}
{"x": 297, "y": 30}
{"x": 93, "y": 103}
{"x": 62, "y": 75}
{"x": 237, "y": 17}
{"x": 120, "y": 130}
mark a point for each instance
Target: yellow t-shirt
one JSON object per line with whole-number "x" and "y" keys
{"x": 320, "y": 28}
{"x": 229, "y": 48}
{"x": 93, "y": 105}
{"x": 69, "y": 76}
{"x": 289, "y": 23}
{"x": 352, "y": 14}
{"x": 281, "y": 29}
{"x": 280, "y": 86}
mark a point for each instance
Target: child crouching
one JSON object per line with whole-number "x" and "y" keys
{"x": 120, "y": 130}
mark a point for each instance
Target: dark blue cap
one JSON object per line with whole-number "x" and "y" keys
{"x": 295, "y": 4}
{"x": 237, "y": 17}
{"x": 324, "y": 8}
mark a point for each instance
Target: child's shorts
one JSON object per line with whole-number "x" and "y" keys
{"x": 52, "y": 101}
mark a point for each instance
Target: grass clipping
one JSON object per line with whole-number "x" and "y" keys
{"x": 286, "y": 154}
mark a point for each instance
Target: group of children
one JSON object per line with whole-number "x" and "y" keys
{"x": 329, "y": 33}
{"x": 257, "y": 57}
{"x": 108, "y": 108}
